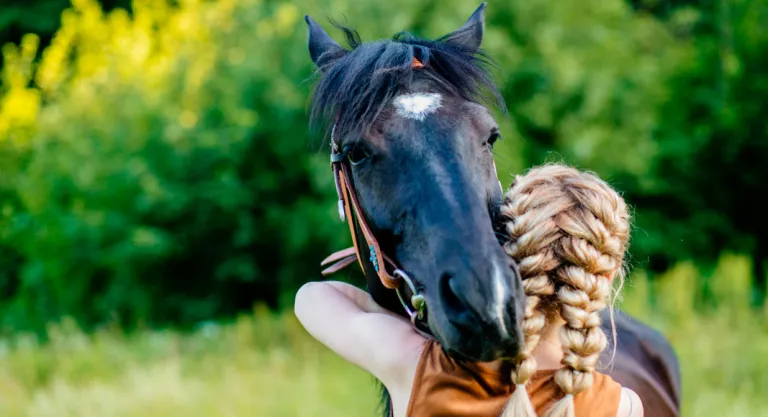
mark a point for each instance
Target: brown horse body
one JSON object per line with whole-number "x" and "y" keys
{"x": 645, "y": 363}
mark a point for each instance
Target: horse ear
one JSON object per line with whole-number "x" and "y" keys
{"x": 469, "y": 36}
{"x": 322, "y": 49}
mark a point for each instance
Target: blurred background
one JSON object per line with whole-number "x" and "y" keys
{"x": 161, "y": 199}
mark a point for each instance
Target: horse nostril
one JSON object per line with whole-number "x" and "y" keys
{"x": 450, "y": 294}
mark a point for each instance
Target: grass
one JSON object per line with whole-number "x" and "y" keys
{"x": 266, "y": 365}
{"x": 262, "y": 365}
{"x": 723, "y": 349}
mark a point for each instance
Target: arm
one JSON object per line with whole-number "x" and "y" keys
{"x": 349, "y": 322}
{"x": 630, "y": 404}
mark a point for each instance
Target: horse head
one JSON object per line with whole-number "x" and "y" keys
{"x": 411, "y": 133}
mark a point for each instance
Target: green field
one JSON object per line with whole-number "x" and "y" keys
{"x": 266, "y": 365}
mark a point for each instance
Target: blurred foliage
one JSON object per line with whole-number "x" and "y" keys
{"x": 41, "y": 17}
{"x": 155, "y": 164}
{"x": 260, "y": 363}
{"x": 670, "y": 114}
{"x": 162, "y": 174}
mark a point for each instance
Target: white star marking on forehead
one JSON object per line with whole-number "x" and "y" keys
{"x": 417, "y": 106}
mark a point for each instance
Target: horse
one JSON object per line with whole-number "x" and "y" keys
{"x": 412, "y": 158}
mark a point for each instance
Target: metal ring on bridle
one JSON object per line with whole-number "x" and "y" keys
{"x": 417, "y": 300}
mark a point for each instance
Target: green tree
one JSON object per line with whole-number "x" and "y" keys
{"x": 156, "y": 165}
{"x": 669, "y": 109}
{"x": 41, "y": 17}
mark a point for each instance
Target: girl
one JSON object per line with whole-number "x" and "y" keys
{"x": 568, "y": 231}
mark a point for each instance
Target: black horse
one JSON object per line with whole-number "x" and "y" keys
{"x": 412, "y": 153}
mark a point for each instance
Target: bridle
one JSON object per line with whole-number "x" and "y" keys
{"x": 350, "y": 211}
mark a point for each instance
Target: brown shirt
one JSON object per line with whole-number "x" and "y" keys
{"x": 443, "y": 387}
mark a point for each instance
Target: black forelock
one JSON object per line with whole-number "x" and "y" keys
{"x": 354, "y": 89}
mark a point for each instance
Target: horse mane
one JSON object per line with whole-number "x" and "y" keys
{"x": 355, "y": 87}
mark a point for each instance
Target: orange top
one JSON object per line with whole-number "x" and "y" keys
{"x": 444, "y": 387}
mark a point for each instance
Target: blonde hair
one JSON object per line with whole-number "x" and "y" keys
{"x": 568, "y": 230}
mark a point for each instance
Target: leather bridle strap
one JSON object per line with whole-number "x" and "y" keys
{"x": 350, "y": 210}
{"x": 350, "y": 205}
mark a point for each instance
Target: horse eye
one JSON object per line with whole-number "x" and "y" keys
{"x": 357, "y": 154}
{"x": 495, "y": 136}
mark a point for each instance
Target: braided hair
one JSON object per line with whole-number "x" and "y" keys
{"x": 568, "y": 230}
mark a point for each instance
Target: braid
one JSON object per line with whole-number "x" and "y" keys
{"x": 530, "y": 233}
{"x": 568, "y": 231}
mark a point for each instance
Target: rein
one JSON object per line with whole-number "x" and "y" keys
{"x": 350, "y": 211}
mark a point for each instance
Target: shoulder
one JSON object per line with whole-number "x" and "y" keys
{"x": 630, "y": 404}
{"x": 606, "y": 397}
